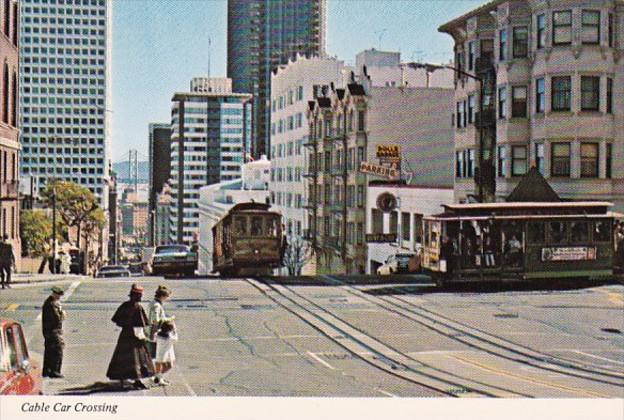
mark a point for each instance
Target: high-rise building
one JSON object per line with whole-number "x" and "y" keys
{"x": 211, "y": 133}
{"x": 65, "y": 67}
{"x": 553, "y": 79}
{"x": 159, "y": 167}
{"x": 9, "y": 137}
{"x": 262, "y": 34}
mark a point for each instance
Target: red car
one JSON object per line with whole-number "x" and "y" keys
{"x": 19, "y": 374}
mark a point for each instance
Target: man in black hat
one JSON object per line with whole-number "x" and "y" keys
{"x": 52, "y": 326}
{"x": 7, "y": 261}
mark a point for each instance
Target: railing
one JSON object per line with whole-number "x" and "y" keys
{"x": 8, "y": 190}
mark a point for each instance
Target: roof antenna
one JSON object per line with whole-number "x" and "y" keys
{"x": 209, "y": 52}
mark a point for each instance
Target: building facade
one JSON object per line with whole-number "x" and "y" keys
{"x": 263, "y": 34}
{"x": 217, "y": 199}
{"x": 557, "y": 101}
{"x": 9, "y": 119}
{"x": 292, "y": 86}
{"x": 159, "y": 167}
{"x": 210, "y": 135}
{"x": 65, "y": 59}
{"x": 345, "y": 130}
{"x": 160, "y": 217}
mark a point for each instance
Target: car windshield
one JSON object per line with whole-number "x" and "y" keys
{"x": 112, "y": 268}
{"x": 403, "y": 257}
{"x": 171, "y": 248}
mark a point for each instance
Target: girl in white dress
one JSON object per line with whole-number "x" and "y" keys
{"x": 165, "y": 356}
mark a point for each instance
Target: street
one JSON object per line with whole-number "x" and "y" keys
{"x": 248, "y": 337}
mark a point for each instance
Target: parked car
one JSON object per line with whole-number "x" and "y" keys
{"x": 397, "y": 263}
{"x": 136, "y": 269}
{"x": 147, "y": 260}
{"x": 174, "y": 259}
{"x": 113, "y": 271}
{"x": 20, "y": 375}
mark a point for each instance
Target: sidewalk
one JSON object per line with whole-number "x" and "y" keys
{"x": 20, "y": 278}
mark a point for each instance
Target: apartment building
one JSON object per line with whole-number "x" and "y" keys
{"x": 65, "y": 91}
{"x": 159, "y": 165}
{"x": 345, "y": 129}
{"x": 210, "y": 135}
{"x": 9, "y": 132}
{"x": 292, "y": 86}
{"x": 556, "y": 99}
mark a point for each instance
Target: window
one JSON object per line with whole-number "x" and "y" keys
{"x": 609, "y": 95}
{"x": 501, "y": 151}
{"x": 7, "y": 17}
{"x": 610, "y": 30}
{"x": 539, "y": 157}
{"x": 609, "y": 161}
{"x": 561, "y": 93}
{"x": 361, "y": 122}
{"x": 471, "y": 109}
{"x": 377, "y": 221}
{"x": 519, "y": 102}
{"x": 360, "y": 195}
{"x": 590, "y": 93}
{"x": 579, "y": 232}
{"x": 520, "y": 41}
{"x": 540, "y": 95}
{"x": 558, "y": 232}
{"x": 560, "y": 159}
{"x": 458, "y": 115}
{"x": 536, "y": 233}
{"x": 562, "y": 27}
{"x": 541, "y": 31}
{"x": 405, "y": 226}
{"x": 518, "y": 160}
{"x": 589, "y": 160}
{"x": 470, "y": 163}
{"x": 459, "y": 164}
{"x": 394, "y": 222}
{"x": 5, "y": 94}
{"x": 502, "y": 102}
{"x": 502, "y": 46}
{"x": 602, "y": 231}
{"x": 471, "y": 55}
{"x": 590, "y": 30}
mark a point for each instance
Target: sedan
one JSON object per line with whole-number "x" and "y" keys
{"x": 19, "y": 374}
{"x": 113, "y": 271}
{"x": 398, "y": 263}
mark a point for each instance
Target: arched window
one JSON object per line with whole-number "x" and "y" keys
{"x": 5, "y": 94}
{"x": 14, "y": 99}
{"x": 7, "y": 17}
{"x": 15, "y": 24}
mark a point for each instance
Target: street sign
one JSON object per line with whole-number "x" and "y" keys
{"x": 381, "y": 237}
{"x": 388, "y": 152}
{"x": 384, "y": 171}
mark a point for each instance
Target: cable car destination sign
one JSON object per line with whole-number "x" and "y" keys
{"x": 389, "y": 166}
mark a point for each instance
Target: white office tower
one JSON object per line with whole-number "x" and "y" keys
{"x": 216, "y": 128}
{"x": 65, "y": 91}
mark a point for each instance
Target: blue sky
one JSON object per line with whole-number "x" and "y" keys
{"x": 159, "y": 45}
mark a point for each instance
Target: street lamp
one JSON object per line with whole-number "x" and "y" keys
{"x": 485, "y": 175}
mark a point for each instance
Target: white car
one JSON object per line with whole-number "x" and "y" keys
{"x": 397, "y": 263}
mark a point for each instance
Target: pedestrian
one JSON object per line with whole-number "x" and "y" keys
{"x": 7, "y": 261}
{"x": 165, "y": 356}
{"x": 447, "y": 254}
{"x": 65, "y": 262}
{"x": 52, "y": 317}
{"x": 131, "y": 360}
{"x": 156, "y": 317}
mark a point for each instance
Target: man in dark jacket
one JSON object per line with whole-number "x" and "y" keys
{"x": 7, "y": 261}
{"x": 52, "y": 325}
{"x": 131, "y": 359}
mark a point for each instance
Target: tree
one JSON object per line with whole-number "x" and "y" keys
{"x": 35, "y": 232}
{"x": 298, "y": 252}
{"x": 74, "y": 203}
{"x": 91, "y": 228}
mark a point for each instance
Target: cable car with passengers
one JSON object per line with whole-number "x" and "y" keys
{"x": 520, "y": 241}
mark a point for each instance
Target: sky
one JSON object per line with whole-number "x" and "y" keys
{"x": 159, "y": 45}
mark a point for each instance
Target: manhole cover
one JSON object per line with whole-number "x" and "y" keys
{"x": 611, "y": 330}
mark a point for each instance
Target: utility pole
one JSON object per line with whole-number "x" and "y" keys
{"x": 54, "y": 230}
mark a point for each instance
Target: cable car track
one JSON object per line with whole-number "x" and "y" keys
{"x": 385, "y": 357}
{"x": 483, "y": 340}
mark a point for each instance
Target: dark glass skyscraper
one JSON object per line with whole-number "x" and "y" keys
{"x": 263, "y": 34}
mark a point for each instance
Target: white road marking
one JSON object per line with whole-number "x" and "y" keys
{"x": 321, "y": 361}
{"x": 388, "y": 394}
{"x": 66, "y": 295}
{"x": 599, "y": 357}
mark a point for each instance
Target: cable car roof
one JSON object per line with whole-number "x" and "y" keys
{"x": 526, "y": 209}
{"x": 516, "y": 205}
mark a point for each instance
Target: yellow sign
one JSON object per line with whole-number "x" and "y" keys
{"x": 388, "y": 151}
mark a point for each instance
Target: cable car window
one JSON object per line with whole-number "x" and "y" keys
{"x": 537, "y": 233}
{"x": 272, "y": 227}
{"x": 10, "y": 338}
{"x": 557, "y": 232}
{"x": 580, "y": 232}
{"x": 240, "y": 225}
{"x": 602, "y": 231}
{"x": 256, "y": 226}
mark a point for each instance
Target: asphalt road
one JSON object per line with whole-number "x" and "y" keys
{"x": 245, "y": 337}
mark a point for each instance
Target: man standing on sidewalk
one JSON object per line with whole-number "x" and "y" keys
{"x": 52, "y": 325}
{"x": 7, "y": 261}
